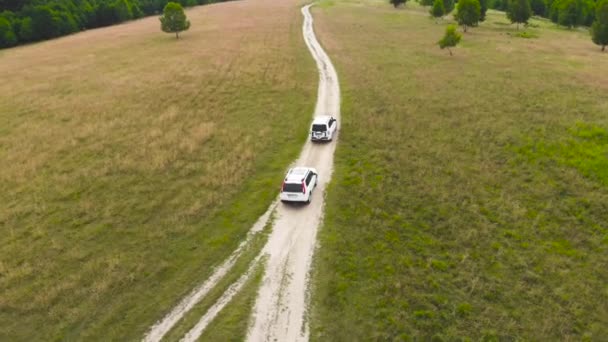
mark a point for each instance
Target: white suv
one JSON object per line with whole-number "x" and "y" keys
{"x": 298, "y": 184}
{"x": 323, "y": 128}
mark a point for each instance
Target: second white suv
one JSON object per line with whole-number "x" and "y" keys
{"x": 298, "y": 184}
{"x": 323, "y": 128}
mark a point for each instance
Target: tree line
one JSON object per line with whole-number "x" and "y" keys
{"x": 24, "y": 21}
{"x": 568, "y": 13}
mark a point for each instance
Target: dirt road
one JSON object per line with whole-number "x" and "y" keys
{"x": 279, "y": 313}
{"x": 280, "y": 309}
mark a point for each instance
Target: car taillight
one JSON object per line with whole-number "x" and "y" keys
{"x": 303, "y": 188}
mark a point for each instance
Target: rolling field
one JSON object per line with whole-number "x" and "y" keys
{"x": 470, "y": 194}
{"x": 133, "y": 162}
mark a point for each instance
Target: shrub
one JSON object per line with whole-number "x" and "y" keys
{"x": 450, "y": 39}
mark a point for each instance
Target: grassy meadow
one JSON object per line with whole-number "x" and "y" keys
{"x": 470, "y": 194}
{"x": 133, "y": 162}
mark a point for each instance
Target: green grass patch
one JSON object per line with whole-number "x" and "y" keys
{"x": 480, "y": 206}
{"x": 240, "y": 267}
{"x": 325, "y": 3}
{"x": 586, "y": 149}
{"x": 525, "y": 34}
{"x": 232, "y": 323}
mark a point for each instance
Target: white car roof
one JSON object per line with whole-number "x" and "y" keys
{"x": 321, "y": 119}
{"x": 296, "y": 174}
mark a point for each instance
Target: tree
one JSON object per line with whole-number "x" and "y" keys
{"x": 427, "y": 2}
{"x": 24, "y": 30}
{"x": 569, "y": 13}
{"x": 501, "y": 5}
{"x": 519, "y": 11}
{"x": 438, "y": 10}
{"x": 448, "y": 6}
{"x": 539, "y": 7}
{"x": 46, "y": 23}
{"x": 397, "y": 3}
{"x": 174, "y": 19}
{"x": 468, "y": 13}
{"x": 7, "y": 35}
{"x": 588, "y": 12}
{"x": 599, "y": 29}
{"x": 450, "y": 39}
{"x": 483, "y": 9}
{"x": 122, "y": 11}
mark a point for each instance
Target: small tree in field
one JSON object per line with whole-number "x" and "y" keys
{"x": 519, "y": 11}
{"x": 397, "y": 3}
{"x": 448, "y": 6}
{"x": 426, "y": 2}
{"x": 450, "y": 39}
{"x": 599, "y": 29}
{"x": 468, "y": 13}
{"x": 438, "y": 10}
{"x": 174, "y": 19}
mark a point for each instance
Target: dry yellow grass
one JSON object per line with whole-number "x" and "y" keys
{"x": 127, "y": 158}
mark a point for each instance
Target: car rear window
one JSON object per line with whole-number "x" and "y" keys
{"x": 319, "y": 128}
{"x": 292, "y": 187}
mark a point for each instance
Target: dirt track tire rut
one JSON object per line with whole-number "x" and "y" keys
{"x": 280, "y": 309}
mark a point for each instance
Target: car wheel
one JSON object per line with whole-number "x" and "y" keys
{"x": 309, "y": 196}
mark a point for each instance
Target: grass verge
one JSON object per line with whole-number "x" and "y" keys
{"x": 227, "y": 324}
{"x": 480, "y": 199}
{"x": 232, "y": 323}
